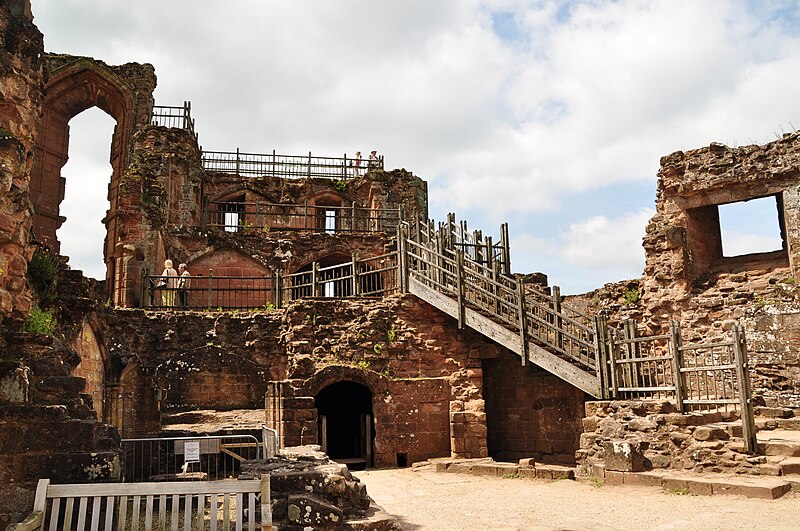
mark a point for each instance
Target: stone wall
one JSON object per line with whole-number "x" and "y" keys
{"x": 426, "y": 377}
{"x": 21, "y": 81}
{"x": 687, "y": 278}
{"x": 636, "y": 436}
{"x": 530, "y": 412}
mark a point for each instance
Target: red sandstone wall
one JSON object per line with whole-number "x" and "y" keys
{"x": 21, "y": 77}
{"x": 530, "y": 412}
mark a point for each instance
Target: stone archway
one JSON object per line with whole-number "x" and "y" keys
{"x": 75, "y": 85}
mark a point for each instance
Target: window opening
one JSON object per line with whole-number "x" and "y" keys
{"x": 233, "y": 214}
{"x": 85, "y": 202}
{"x": 751, "y": 227}
{"x": 330, "y": 220}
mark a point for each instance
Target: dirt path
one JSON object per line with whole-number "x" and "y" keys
{"x": 424, "y": 499}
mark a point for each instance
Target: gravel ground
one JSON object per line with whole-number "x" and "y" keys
{"x": 423, "y": 499}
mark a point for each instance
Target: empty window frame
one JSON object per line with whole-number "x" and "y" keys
{"x": 752, "y": 227}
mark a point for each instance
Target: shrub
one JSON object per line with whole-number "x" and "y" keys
{"x": 632, "y": 296}
{"x": 40, "y": 322}
{"x": 42, "y": 274}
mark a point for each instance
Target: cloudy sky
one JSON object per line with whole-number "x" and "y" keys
{"x": 551, "y": 115}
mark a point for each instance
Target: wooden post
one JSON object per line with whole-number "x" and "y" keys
{"x": 274, "y": 162}
{"x": 314, "y": 279}
{"x": 477, "y": 239}
{"x": 601, "y": 356}
{"x": 745, "y": 398}
{"x": 309, "y": 164}
{"x": 613, "y": 355}
{"x": 460, "y": 284}
{"x": 305, "y": 214}
{"x": 451, "y": 230}
{"x": 489, "y": 252}
{"x": 210, "y": 288}
{"x": 402, "y": 257}
{"x": 506, "y": 253}
{"x": 677, "y": 364}
{"x": 266, "y": 504}
{"x": 440, "y": 274}
{"x": 494, "y": 289}
{"x": 279, "y": 289}
{"x": 557, "y": 321}
{"x": 144, "y": 290}
{"x": 237, "y": 161}
{"x": 523, "y": 322}
{"x": 356, "y": 284}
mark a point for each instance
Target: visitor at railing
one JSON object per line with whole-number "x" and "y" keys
{"x": 167, "y": 284}
{"x": 357, "y": 165}
{"x": 184, "y": 283}
{"x": 375, "y": 162}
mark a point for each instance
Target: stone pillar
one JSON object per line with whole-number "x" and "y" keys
{"x": 468, "y": 430}
{"x": 791, "y": 216}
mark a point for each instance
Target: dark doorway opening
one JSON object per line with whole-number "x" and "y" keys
{"x": 346, "y": 426}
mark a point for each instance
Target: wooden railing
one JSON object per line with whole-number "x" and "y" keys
{"x": 233, "y": 216}
{"x": 708, "y": 376}
{"x": 297, "y": 166}
{"x": 712, "y": 375}
{"x": 535, "y": 316}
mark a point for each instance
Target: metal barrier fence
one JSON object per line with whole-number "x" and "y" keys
{"x": 376, "y": 276}
{"x": 188, "y": 458}
{"x": 232, "y": 216}
{"x": 208, "y": 292}
{"x": 299, "y": 166}
{"x": 176, "y": 117}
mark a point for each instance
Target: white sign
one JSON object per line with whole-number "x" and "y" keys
{"x": 191, "y": 452}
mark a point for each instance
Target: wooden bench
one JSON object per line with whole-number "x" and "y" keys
{"x": 169, "y": 505}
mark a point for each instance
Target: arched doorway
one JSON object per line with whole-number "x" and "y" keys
{"x": 346, "y": 426}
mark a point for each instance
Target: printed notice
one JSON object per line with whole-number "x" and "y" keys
{"x": 191, "y": 451}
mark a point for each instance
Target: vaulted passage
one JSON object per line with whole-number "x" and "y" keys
{"x": 345, "y": 421}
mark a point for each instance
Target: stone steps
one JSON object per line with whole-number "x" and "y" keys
{"x": 749, "y": 486}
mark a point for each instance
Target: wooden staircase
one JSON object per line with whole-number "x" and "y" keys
{"x": 468, "y": 278}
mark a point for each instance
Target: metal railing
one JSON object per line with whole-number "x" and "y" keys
{"x": 298, "y": 166}
{"x": 233, "y": 216}
{"x": 208, "y": 292}
{"x": 188, "y": 458}
{"x": 175, "y": 117}
{"x": 375, "y": 276}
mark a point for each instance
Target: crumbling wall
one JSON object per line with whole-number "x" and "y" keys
{"x": 425, "y": 375}
{"x": 636, "y": 436}
{"x": 21, "y": 81}
{"x": 686, "y": 277}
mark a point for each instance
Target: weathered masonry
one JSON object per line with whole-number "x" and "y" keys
{"x": 322, "y": 302}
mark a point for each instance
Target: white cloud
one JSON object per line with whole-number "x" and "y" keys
{"x": 581, "y": 96}
{"x": 589, "y": 253}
